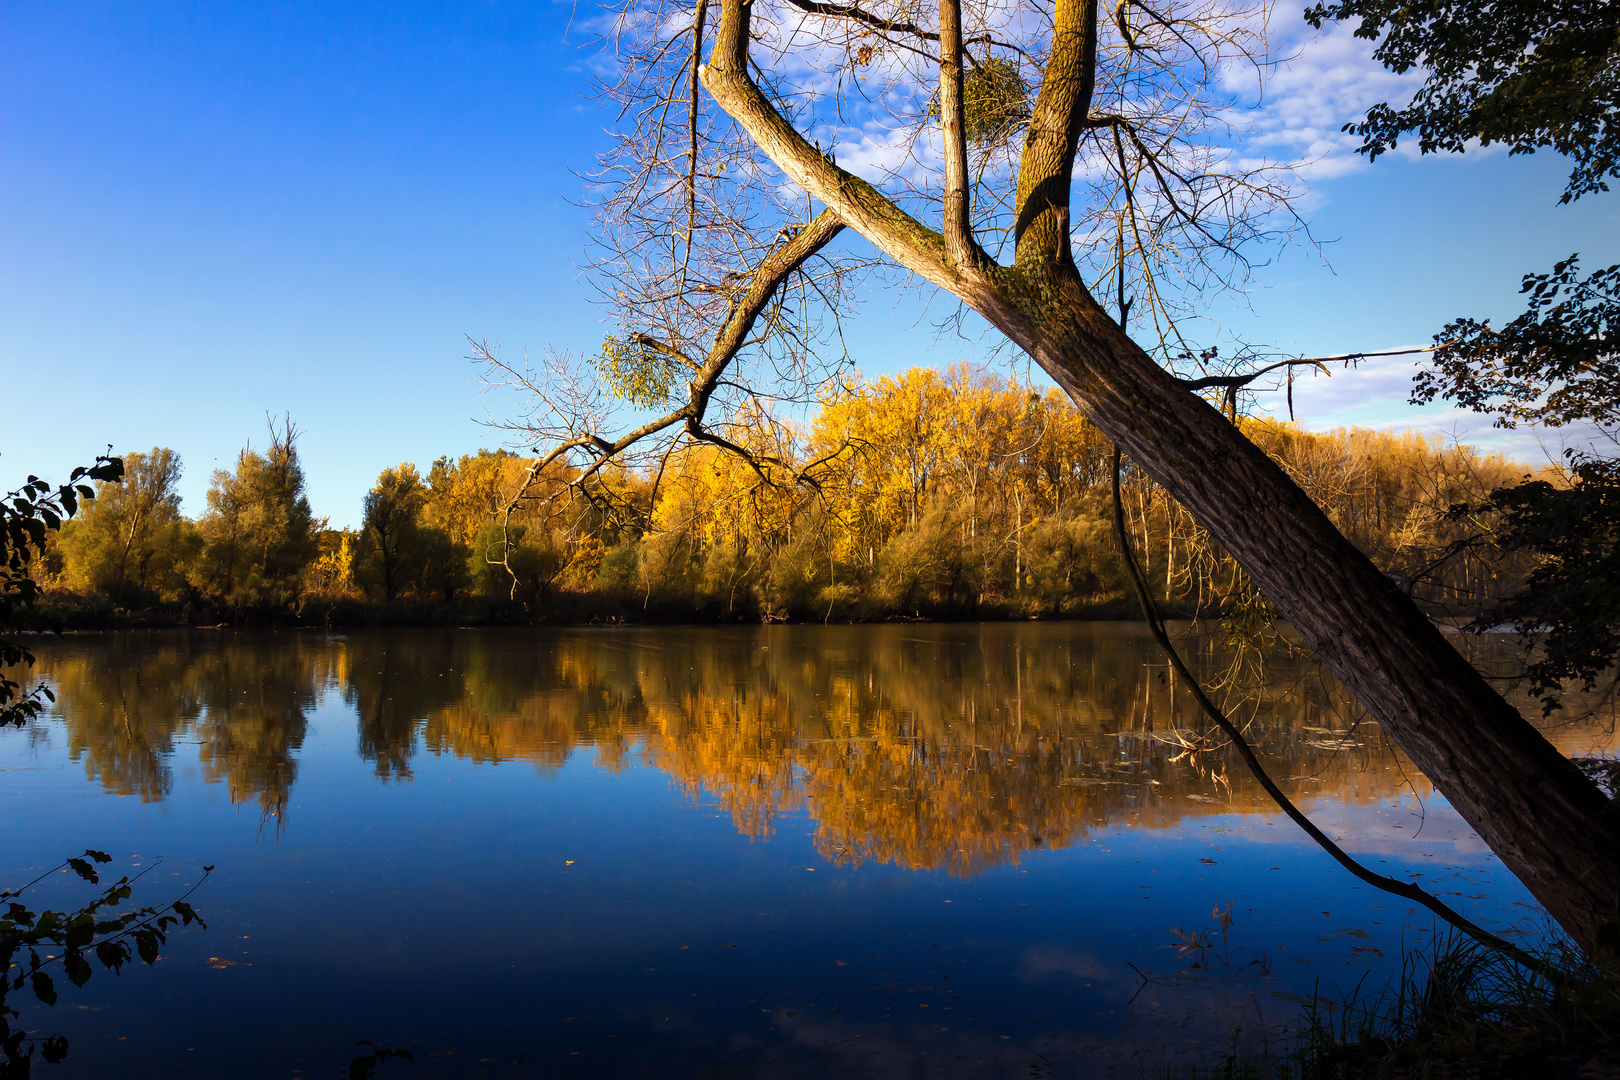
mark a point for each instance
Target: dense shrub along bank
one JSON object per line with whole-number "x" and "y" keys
{"x": 929, "y": 494}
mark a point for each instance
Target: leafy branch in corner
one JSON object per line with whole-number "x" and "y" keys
{"x": 30, "y": 942}
{"x": 1556, "y": 364}
{"x": 27, "y": 516}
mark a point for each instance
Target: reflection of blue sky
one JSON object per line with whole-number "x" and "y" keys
{"x": 1404, "y": 829}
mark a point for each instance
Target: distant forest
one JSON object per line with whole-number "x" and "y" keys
{"x": 930, "y": 494}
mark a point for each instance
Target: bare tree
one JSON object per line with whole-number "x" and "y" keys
{"x": 1548, "y": 822}
{"x": 1022, "y": 158}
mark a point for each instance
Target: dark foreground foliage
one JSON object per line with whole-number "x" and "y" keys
{"x": 1573, "y": 594}
{"x": 37, "y": 949}
{"x": 27, "y": 518}
{"x": 1457, "y": 1010}
{"x": 1556, "y": 364}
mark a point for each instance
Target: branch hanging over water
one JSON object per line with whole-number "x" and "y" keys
{"x": 1405, "y": 890}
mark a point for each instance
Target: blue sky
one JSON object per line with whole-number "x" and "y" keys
{"x": 210, "y": 212}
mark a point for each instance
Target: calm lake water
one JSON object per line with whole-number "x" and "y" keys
{"x": 965, "y": 850}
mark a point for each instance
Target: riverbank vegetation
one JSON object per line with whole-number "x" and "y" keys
{"x": 944, "y": 494}
{"x": 927, "y": 494}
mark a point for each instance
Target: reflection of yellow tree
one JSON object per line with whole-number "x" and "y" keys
{"x": 944, "y": 747}
{"x": 123, "y": 706}
{"x": 739, "y": 745}
{"x": 935, "y": 748}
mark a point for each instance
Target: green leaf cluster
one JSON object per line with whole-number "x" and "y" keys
{"x": 635, "y": 372}
{"x": 995, "y": 101}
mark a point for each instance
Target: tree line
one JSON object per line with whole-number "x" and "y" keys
{"x": 956, "y": 492}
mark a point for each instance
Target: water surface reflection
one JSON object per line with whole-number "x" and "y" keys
{"x": 771, "y": 851}
{"x": 925, "y": 747}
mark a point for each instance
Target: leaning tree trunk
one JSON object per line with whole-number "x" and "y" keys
{"x": 1549, "y": 824}
{"x": 1546, "y": 820}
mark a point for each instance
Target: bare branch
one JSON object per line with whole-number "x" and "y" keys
{"x": 959, "y": 243}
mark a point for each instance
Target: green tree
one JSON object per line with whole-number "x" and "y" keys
{"x": 443, "y": 569}
{"x": 518, "y": 562}
{"x": 258, "y": 533}
{"x": 391, "y": 533}
{"x": 132, "y": 543}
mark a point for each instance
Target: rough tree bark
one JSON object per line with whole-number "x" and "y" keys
{"x": 1548, "y": 823}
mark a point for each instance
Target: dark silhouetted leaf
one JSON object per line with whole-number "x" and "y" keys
{"x": 80, "y": 931}
{"x": 113, "y": 955}
{"x": 77, "y": 968}
{"x": 54, "y": 1049}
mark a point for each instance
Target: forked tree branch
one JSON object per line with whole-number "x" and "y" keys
{"x": 763, "y": 283}
{"x": 959, "y": 243}
{"x": 662, "y": 346}
{"x": 905, "y": 239}
{"x": 1046, "y": 172}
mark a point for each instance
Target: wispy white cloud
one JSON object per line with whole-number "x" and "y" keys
{"x": 1331, "y": 79}
{"x": 1375, "y": 394}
